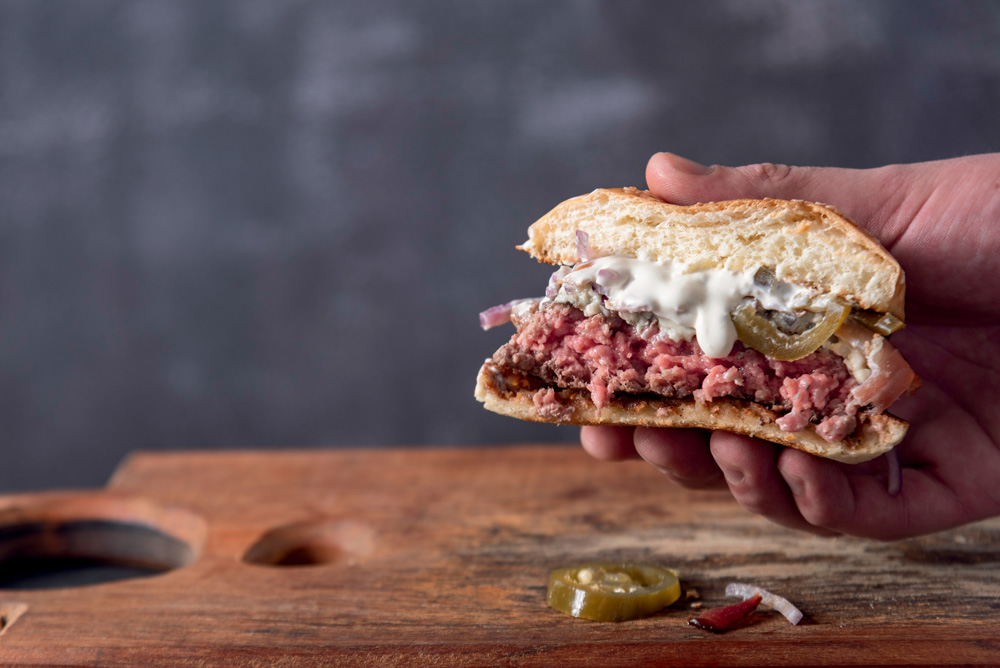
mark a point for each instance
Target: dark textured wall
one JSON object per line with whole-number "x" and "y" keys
{"x": 273, "y": 223}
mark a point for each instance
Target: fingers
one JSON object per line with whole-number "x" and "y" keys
{"x": 682, "y": 455}
{"x": 800, "y": 491}
{"x": 608, "y": 443}
{"x": 850, "y": 499}
{"x": 828, "y": 495}
{"x": 683, "y": 181}
{"x": 750, "y": 469}
{"x": 789, "y": 487}
{"x": 871, "y": 196}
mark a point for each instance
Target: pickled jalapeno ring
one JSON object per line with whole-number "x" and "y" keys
{"x": 612, "y": 592}
{"x": 765, "y": 337}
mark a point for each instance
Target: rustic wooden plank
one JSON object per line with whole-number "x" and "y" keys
{"x": 440, "y": 557}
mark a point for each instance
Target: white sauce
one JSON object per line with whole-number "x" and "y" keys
{"x": 686, "y": 303}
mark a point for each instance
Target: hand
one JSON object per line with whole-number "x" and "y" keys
{"x": 941, "y": 220}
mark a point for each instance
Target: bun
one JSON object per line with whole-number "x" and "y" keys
{"x": 512, "y": 395}
{"x": 564, "y": 341}
{"x": 804, "y": 243}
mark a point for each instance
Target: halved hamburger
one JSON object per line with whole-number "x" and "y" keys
{"x": 766, "y": 318}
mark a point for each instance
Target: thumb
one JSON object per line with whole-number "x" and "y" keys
{"x": 860, "y": 193}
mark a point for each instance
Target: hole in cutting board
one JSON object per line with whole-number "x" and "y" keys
{"x": 313, "y": 543}
{"x": 57, "y": 541}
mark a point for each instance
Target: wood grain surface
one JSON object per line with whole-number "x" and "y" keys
{"x": 440, "y": 557}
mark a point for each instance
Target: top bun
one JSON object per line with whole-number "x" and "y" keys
{"x": 807, "y": 244}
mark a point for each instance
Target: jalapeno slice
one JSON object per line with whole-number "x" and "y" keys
{"x": 612, "y": 592}
{"x": 765, "y": 336}
{"x": 880, "y": 323}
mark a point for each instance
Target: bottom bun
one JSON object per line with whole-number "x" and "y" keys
{"x": 512, "y": 394}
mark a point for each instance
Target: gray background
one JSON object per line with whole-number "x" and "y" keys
{"x": 272, "y": 224}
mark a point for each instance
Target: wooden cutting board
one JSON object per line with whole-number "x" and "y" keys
{"x": 440, "y": 557}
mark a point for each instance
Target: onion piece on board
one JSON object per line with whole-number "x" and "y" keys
{"x": 767, "y": 599}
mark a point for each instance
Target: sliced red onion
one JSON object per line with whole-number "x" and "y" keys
{"x": 499, "y": 315}
{"x": 583, "y": 248}
{"x": 767, "y": 599}
{"x": 895, "y": 472}
{"x": 552, "y": 289}
{"x": 495, "y": 316}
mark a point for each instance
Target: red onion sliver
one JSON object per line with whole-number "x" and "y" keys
{"x": 552, "y": 289}
{"x": 583, "y": 248}
{"x": 499, "y": 315}
{"x": 495, "y": 316}
{"x": 769, "y": 600}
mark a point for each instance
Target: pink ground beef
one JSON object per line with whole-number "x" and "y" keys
{"x": 549, "y": 406}
{"x": 607, "y": 356}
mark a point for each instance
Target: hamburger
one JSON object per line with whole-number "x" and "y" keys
{"x": 768, "y": 318}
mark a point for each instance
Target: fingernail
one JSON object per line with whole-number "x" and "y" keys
{"x": 734, "y": 475}
{"x": 679, "y": 479}
{"x": 795, "y": 484}
{"x": 686, "y": 165}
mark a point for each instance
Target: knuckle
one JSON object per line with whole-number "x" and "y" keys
{"x": 768, "y": 171}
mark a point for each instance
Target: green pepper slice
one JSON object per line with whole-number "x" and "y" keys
{"x": 880, "y": 323}
{"x": 612, "y": 592}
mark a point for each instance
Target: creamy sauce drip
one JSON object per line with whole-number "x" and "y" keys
{"x": 686, "y": 303}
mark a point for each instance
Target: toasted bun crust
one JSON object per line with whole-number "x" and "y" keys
{"x": 511, "y": 394}
{"x": 805, "y": 243}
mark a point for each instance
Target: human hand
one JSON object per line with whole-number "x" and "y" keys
{"x": 941, "y": 220}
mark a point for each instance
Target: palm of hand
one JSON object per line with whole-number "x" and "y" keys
{"x": 951, "y": 454}
{"x": 951, "y": 251}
